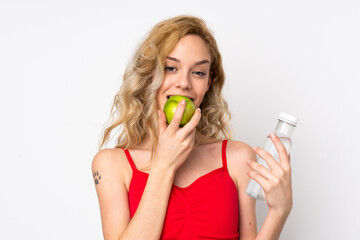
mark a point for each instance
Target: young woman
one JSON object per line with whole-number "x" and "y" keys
{"x": 166, "y": 182}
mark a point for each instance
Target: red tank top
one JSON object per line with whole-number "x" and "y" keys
{"x": 206, "y": 209}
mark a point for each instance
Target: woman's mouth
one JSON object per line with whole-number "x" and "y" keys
{"x": 180, "y": 95}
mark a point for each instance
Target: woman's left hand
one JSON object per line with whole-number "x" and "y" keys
{"x": 276, "y": 182}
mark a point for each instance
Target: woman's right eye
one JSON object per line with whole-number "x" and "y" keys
{"x": 170, "y": 69}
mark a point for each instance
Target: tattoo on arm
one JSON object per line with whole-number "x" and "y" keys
{"x": 97, "y": 177}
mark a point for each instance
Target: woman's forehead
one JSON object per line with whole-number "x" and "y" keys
{"x": 190, "y": 47}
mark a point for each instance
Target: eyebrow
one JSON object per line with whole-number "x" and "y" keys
{"x": 196, "y": 63}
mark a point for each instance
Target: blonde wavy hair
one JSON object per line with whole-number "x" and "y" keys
{"x": 134, "y": 109}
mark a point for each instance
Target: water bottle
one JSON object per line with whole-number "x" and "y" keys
{"x": 283, "y": 130}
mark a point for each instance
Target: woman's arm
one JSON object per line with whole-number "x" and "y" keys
{"x": 174, "y": 146}
{"x": 237, "y": 155}
{"x": 272, "y": 226}
{"x": 276, "y": 183}
{"x": 278, "y": 192}
{"x": 148, "y": 220}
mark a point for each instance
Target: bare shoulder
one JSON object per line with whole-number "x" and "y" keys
{"x": 238, "y": 148}
{"x": 107, "y": 158}
{"x": 237, "y": 155}
{"x": 112, "y": 162}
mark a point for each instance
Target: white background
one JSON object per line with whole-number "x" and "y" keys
{"x": 61, "y": 62}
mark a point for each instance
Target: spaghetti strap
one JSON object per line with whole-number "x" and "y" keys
{"x": 223, "y": 153}
{"x": 132, "y": 164}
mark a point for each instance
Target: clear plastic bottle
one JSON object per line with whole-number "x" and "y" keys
{"x": 283, "y": 130}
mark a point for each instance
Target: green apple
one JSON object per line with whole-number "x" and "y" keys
{"x": 171, "y": 105}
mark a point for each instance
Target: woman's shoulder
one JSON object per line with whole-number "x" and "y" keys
{"x": 239, "y": 150}
{"x": 111, "y": 161}
{"x": 109, "y": 156}
{"x": 237, "y": 155}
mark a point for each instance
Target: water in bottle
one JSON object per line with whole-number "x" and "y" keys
{"x": 283, "y": 130}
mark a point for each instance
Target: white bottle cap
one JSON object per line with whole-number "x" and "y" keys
{"x": 288, "y": 118}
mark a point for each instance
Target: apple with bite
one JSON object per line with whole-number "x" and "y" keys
{"x": 171, "y": 105}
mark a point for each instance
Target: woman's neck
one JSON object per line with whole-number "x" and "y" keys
{"x": 201, "y": 139}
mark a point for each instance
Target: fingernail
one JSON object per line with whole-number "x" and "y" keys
{"x": 199, "y": 110}
{"x": 272, "y": 134}
{"x": 182, "y": 101}
{"x": 248, "y": 161}
{"x": 254, "y": 148}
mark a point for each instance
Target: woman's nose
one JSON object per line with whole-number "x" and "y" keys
{"x": 184, "y": 81}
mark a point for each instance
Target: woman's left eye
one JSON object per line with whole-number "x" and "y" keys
{"x": 200, "y": 73}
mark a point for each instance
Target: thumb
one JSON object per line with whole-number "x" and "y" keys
{"x": 162, "y": 122}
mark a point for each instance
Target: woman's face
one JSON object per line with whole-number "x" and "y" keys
{"x": 187, "y": 71}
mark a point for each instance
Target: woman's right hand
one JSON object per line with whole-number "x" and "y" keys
{"x": 175, "y": 143}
